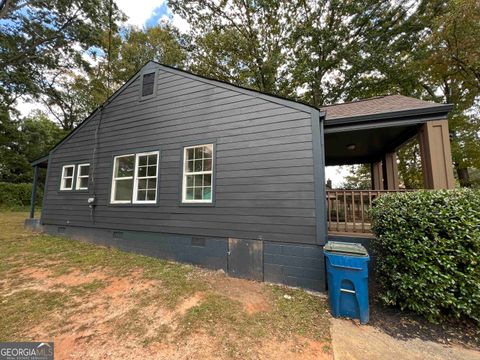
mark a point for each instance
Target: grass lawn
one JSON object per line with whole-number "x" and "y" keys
{"x": 96, "y": 302}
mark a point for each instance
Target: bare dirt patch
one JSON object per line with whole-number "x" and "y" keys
{"x": 295, "y": 349}
{"x": 252, "y": 295}
{"x": 99, "y": 303}
{"x": 189, "y": 303}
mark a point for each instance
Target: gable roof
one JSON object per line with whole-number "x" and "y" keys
{"x": 151, "y": 65}
{"x": 376, "y": 108}
{"x": 389, "y": 104}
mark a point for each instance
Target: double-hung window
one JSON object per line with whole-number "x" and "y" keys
{"x": 145, "y": 188}
{"x": 135, "y": 178}
{"x": 83, "y": 173}
{"x": 197, "y": 174}
{"x": 67, "y": 177}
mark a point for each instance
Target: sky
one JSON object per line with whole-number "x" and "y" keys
{"x": 145, "y": 13}
{"x": 149, "y": 13}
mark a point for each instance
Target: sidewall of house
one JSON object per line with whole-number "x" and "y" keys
{"x": 267, "y": 178}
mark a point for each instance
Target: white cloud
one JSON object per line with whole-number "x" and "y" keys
{"x": 180, "y": 23}
{"x": 138, "y": 11}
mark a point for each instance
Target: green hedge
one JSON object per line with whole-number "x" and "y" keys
{"x": 17, "y": 195}
{"x": 427, "y": 251}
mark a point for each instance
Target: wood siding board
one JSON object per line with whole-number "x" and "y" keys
{"x": 264, "y": 163}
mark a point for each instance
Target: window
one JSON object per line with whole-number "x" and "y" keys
{"x": 67, "y": 177}
{"x": 122, "y": 183}
{"x": 148, "y": 84}
{"x": 83, "y": 173}
{"x": 135, "y": 178}
{"x": 197, "y": 174}
{"x": 146, "y": 178}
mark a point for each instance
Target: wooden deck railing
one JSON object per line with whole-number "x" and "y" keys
{"x": 347, "y": 210}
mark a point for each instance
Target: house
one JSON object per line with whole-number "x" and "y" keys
{"x": 178, "y": 166}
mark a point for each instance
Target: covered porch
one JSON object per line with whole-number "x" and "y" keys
{"x": 370, "y": 132}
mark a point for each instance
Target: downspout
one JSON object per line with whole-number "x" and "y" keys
{"x": 93, "y": 199}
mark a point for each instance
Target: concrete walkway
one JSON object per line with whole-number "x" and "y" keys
{"x": 352, "y": 341}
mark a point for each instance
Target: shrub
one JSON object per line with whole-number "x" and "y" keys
{"x": 17, "y": 195}
{"x": 427, "y": 248}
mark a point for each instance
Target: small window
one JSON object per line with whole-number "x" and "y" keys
{"x": 135, "y": 178}
{"x": 67, "y": 177}
{"x": 148, "y": 84}
{"x": 83, "y": 173}
{"x": 146, "y": 178}
{"x": 197, "y": 174}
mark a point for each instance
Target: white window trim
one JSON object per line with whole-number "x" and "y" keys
{"x": 77, "y": 181}
{"x": 184, "y": 176}
{"x": 114, "y": 181}
{"x": 67, "y": 177}
{"x": 135, "y": 179}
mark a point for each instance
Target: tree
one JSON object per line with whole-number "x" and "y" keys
{"x": 135, "y": 47}
{"x": 22, "y": 141}
{"x": 446, "y": 65}
{"x": 237, "y": 41}
{"x": 41, "y": 37}
{"x": 335, "y": 47}
{"x": 319, "y": 52}
{"x": 410, "y": 165}
{"x": 359, "y": 178}
{"x": 441, "y": 63}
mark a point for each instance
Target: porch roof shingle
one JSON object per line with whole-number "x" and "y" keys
{"x": 376, "y": 105}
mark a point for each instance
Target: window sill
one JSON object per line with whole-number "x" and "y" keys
{"x": 133, "y": 205}
{"x": 199, "y": 204}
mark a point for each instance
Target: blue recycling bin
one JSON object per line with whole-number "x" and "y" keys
{"x": 347, "y": 274}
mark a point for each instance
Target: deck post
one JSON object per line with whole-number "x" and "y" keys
{"x": 436, "y": 155}
{"x": 391, "y": 171}
{"x": 377, "y": 175}
{"x": 34, "y": 192}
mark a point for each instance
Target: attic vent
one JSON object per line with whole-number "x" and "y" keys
{"x": 148, "y": 83}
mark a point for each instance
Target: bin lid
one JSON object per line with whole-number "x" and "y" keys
{"x": 346, "y": 248}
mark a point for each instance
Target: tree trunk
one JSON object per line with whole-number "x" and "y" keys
{"x": 463, "y": 176}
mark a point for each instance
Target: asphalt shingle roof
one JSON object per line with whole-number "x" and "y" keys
{"x": 376, "y": 105}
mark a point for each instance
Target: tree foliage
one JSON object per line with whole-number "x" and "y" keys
{"x": 22, "y": 141}
{"x": 358, "y": 178}
{"x": 41, "y": 38}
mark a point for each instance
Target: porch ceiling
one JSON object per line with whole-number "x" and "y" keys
{"x": 370, "y": 144}
{"x": 363, "y": 131}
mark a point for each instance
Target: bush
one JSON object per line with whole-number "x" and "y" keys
{"x": 17, "y": 195}
{"x": 428, "y": 252}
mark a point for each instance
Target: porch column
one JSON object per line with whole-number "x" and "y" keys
{"x": 436, "y": 155}
{"x": 390, "y": 171}
{"x": 34, "y": 192}
{"x": 377, "y": 175}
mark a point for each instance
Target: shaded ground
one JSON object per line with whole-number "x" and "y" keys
{"x": 395, "y": 334}
{"x": 366, "y": 342}
{"x": 96, "y": 303}
{"x": 406, "y": 326}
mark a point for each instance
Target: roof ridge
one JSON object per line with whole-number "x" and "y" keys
{"x": 362, "y": 100}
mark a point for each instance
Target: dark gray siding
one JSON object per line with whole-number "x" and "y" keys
{"x": 264, "y": 166}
